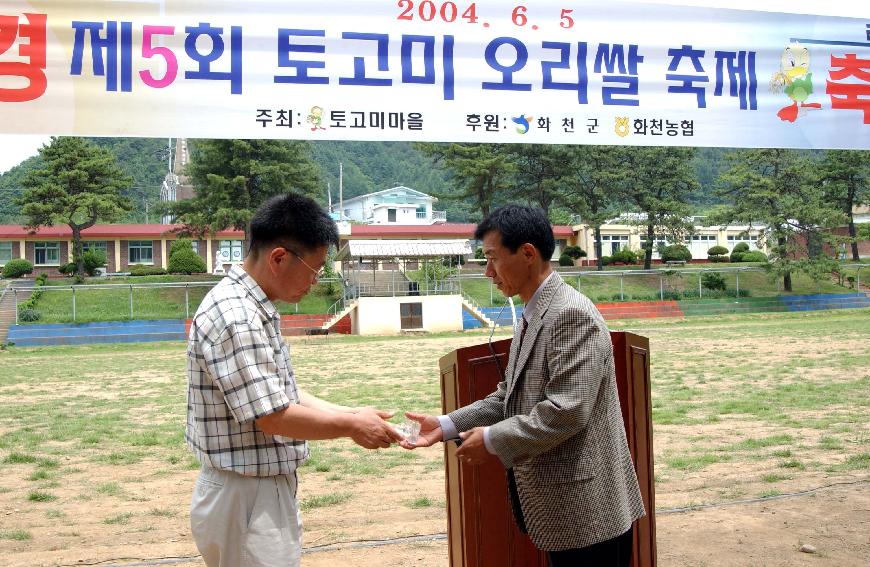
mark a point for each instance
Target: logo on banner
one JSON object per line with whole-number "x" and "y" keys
{"x": 315, "y": 118}
{"x": 621, "y": 127}
{"x": 795, "y": 80}
{"x": 523, "y": 123}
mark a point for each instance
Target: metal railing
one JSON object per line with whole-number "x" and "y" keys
{"x": 78, "y": 290}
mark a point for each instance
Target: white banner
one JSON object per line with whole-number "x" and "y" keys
{"x": 576, "y": 72}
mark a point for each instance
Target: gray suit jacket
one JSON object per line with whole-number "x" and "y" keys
{"x": 556, "y": 421}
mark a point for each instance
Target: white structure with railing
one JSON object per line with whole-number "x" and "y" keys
{"x": 400, "y": 206}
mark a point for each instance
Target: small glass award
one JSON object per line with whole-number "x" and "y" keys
{"x": 410, "y": 430}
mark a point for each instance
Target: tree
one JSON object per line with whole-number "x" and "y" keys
{"x": 846, "y": 181}
{"x": 78, "y": 184}
{"x": 540, "y": 172}
{"x": 590, "y": 187}
{"x": 657, "y": 182}
{"x": 233, "y": 178}
{"x": 779, "y": 189}
{"x": 481, "y": 172}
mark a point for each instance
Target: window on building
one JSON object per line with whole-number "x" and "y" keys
{"x": 141, "y": 252}
{"x": 194, "y": 244}
{"x": 5, "y": 252}
{"x": 617, "y": 242}
{"x": 46, "y": 253}
{"x": 751, "y": 240}
{"x": 231, "y": 251}
{"x": 411, "y": 315}
{"x": 96, "y": 246}
{"x": 391, "y": 215}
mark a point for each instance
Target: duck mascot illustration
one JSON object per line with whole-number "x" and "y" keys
{"x": 795, "y": 80}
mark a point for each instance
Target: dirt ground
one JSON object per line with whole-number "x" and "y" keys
{"x": 834, "y": 516}
{"x": 836, "y": 521}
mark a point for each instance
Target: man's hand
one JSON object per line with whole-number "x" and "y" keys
{"x": 430, "y": 430}
{"x": 383, "y": 414}
{"x": 473, "y": 450}
{"x": 369, "y": 430}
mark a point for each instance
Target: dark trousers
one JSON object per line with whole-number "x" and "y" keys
{"x": 614, "y": 552}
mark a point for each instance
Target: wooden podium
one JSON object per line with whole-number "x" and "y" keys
{"x": 481, "y": 529}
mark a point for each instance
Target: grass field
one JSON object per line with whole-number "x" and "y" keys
{"x": 603, "y": 287}
{"x": 113, "y": 304}
{"x": 93, "y": 460}
{"x": 56, "y": 305}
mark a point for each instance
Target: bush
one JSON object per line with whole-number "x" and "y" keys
{"x": 29, "y": 315}
{"x": 719, "y": 259}
{"x": 17, "y": 268}
{"x": 754, "y": 256}
{"x": 574, "y": 252}
{"x": 478, "y": 254}
{"x": 179, "y": 245}
{"x": 624, "y": 256}
{"x": 713, "y": 281}
{"x": 606, "y": 260}
{"x": 738, "y": 251}
{"x": 717, "y": 254}
{"x": 67, "y": 269}
{"x": 186, "y": 262}
{"x": 147, "y": 271}
{"x": 183, "y": 260}
{"x": 93, "y": 260}
{"x": 565, "y": 260}
{"x": 676, "y": 253}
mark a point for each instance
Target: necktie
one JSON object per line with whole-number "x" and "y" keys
{"x": 523, "y": 332}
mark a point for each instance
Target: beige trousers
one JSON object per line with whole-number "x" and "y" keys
{"x": 242, "y": 521}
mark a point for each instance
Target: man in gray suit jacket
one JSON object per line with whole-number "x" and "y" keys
{"x": 554, "y": 421}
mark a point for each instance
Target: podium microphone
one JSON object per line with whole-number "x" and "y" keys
{"x": 492, "y": 331}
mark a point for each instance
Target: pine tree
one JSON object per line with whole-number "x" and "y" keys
{"x": 781, "y": 190}
{"x": 77, "y": 184}
{"x": 232, "y": 178}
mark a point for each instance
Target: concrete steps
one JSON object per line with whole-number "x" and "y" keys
{"x": 332, "y": 321}
{"x": 23, "y": 290}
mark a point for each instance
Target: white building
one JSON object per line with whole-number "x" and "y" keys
{"x": 397, "y": 206}
{"x": 626, "y": 231}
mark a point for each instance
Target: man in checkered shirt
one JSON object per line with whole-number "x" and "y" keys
{"x": 247, "y": 421}
{"x": 554, "y": 421}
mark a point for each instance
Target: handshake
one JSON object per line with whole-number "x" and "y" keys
{"x": 371, "y": 430}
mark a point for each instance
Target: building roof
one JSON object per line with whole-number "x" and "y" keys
{"x": 403, "y": 249}
{"x": 431, "y": 231}
{"x": 390, "y": 190}
{"x": 112, "y": 231}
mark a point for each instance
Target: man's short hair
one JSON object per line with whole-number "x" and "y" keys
{"x": 519, "y": 224}
{"x": 292, "y": 220}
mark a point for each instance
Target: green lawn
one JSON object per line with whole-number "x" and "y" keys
{"x": 175, "y": 303}
{"x": 743, "y": 406}
{"x": 114, "y": 304}
{"x": 603, "y": 287}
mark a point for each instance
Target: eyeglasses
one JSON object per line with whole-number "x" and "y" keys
{"x": 317, "y": 273}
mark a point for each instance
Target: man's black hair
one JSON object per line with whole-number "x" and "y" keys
{"x": 293, "y": 220}
{"x": 518, "y": 225}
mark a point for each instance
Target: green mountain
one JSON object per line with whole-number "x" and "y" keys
{"x": 368, "y": 167}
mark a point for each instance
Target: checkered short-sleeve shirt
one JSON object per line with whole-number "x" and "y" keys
{"x": 239, "y": 369}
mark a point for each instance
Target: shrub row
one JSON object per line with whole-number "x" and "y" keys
{"x": 27, "y": 311}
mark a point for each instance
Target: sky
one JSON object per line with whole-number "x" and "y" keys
{"x": 16, "y": 148}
